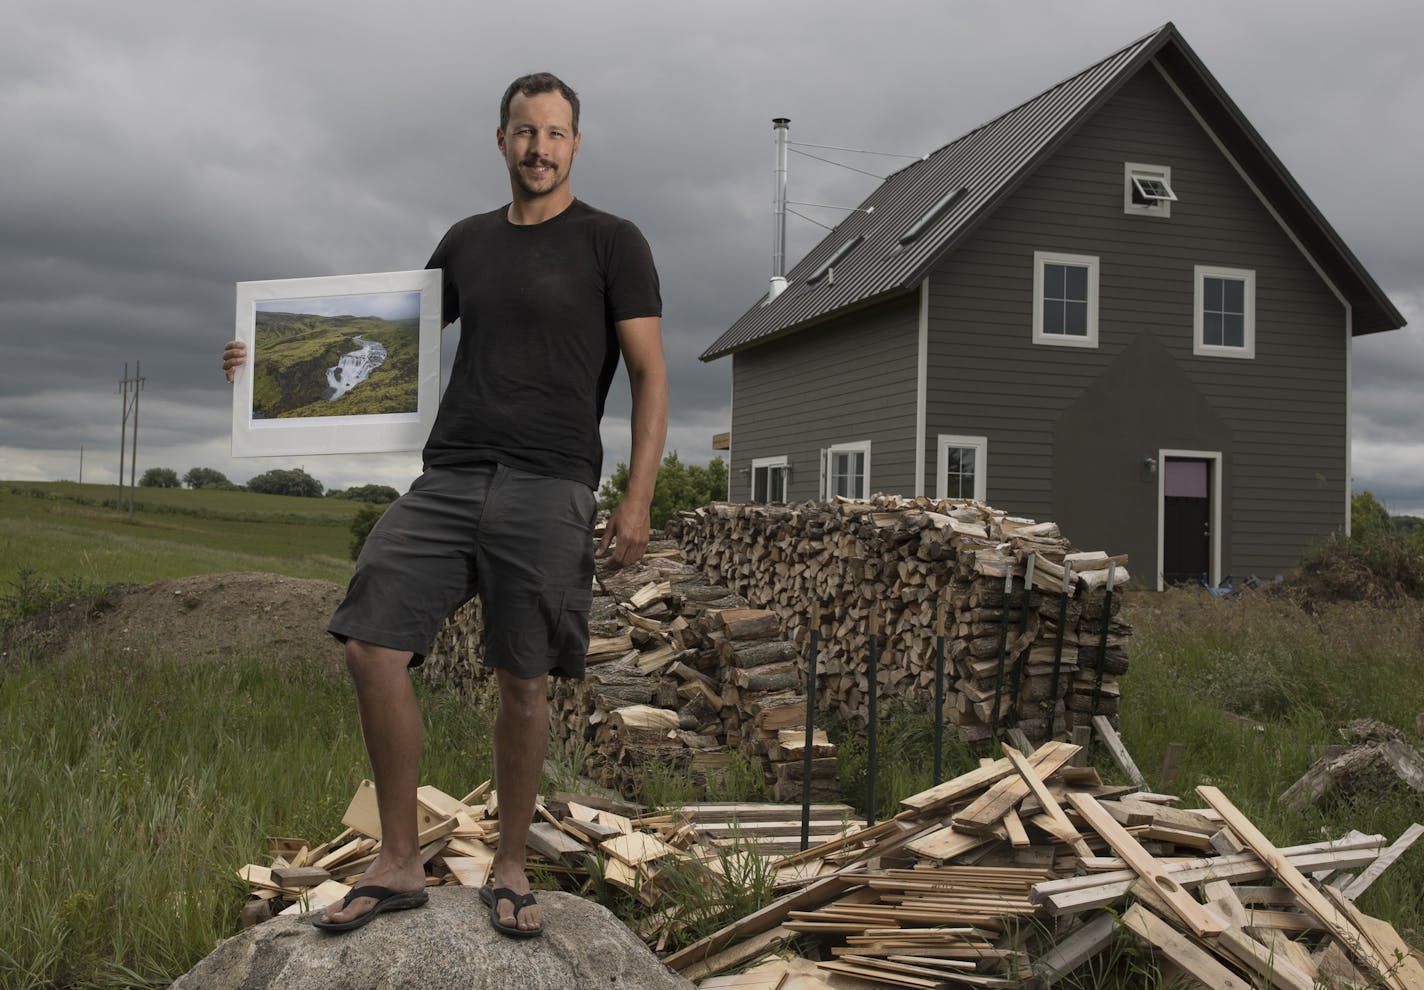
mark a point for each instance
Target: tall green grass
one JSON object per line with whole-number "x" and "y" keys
{"x": 132, "y": 787}
{"x": 1256, "y": 688}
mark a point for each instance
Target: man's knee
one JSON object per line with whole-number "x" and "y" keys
{"x": 367, "y": 660}
{"x": 523, "y": 697}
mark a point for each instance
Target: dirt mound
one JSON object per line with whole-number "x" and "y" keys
{"x": 198, "y": 618}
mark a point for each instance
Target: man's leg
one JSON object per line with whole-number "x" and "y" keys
{"x": 390, "y": 725}
{"x": 521, "y": 734}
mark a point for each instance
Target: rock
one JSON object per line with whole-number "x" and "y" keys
{"x": 447, "y": 944}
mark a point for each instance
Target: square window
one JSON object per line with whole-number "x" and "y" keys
{"x": 1147, "y": 189}
{"x": 1224, "y": 319}
{"x": 1065, "y": 300}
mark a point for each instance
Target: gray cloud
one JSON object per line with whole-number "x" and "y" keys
{"x": 156, "y": 154}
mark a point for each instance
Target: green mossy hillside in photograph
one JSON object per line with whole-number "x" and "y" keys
{"x": 294, "y": 351}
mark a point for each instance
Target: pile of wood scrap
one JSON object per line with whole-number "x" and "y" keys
{"x": 1033, "y": 639}
{"x": 682, "y": 678}
{"x": 577, "y": 839}
{"x": 1378, "y": 759}
{"x": 1018, "y": 872}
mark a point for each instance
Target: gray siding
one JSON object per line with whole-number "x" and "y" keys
{"x": 848, "y": 380}
{"x": 1069, "y": 428}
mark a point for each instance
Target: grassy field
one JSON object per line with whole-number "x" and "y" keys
{"x": 131, "y": 788}
{"x": 70, "y": 532}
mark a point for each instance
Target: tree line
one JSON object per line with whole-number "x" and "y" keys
{"x": 279, "y": 481}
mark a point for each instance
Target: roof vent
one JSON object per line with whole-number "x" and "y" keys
{"x": 836, "y": 259}
{"x": 933, "y": 214}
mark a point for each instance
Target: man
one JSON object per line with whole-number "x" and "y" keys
{"x": 549, "y": 292}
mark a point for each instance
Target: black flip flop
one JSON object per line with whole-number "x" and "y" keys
{"x": 386, "y": 900}
{"x": 491, "y": 896}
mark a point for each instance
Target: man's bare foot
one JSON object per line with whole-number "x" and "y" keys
{"x": 403, "y": 877}
{"x": 530, "y": 918}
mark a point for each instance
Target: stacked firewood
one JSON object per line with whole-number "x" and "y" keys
{"x": 682, "y": 678}
{"x": 1018, "y": 872}
{"x": 1021, "y": 615}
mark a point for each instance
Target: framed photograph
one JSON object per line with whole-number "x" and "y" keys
{"x": 347, "y": 364}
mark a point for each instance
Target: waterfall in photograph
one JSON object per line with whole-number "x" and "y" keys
{"x": 354, "y": 367}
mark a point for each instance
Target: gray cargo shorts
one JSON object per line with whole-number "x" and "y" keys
{"x": 522, "y": 541}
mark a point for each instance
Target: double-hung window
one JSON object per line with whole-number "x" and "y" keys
{"x": 1224, "y": 312}
{"x": 848, "y": 470}
{"x": 769, "y": 479}
{"x": 963, "y": 467}
{"x": 1065, "y": 299}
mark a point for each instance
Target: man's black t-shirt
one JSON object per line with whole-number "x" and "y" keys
{"x": 537, "y": 306}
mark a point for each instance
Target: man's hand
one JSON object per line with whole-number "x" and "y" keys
{"x": 234, "y": 356}
{"x": 627, "y": 531}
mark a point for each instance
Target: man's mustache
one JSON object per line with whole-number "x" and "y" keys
{"x": 531, "y": 162}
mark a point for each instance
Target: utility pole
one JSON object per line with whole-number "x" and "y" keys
{"x": 127, "y": 385}
{"x": 81, "y": 464}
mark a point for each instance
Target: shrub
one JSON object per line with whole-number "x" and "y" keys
{"x": 201, "y": 477}
{"x": 679, "y": 486}
{"x": 291, "y": 481}
{"x": 380, "y": 494}
{"x": 156, "y": 477}
{"x": 361, "y": 526}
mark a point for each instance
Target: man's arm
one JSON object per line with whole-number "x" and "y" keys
{"x": 641, "y": 342}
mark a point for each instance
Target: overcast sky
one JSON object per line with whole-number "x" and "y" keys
{"x": 155, "y": 153}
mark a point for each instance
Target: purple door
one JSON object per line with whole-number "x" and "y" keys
{"x": 1186, "y": 519}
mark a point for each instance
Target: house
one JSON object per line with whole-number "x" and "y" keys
{"x": 1112, "y": 307}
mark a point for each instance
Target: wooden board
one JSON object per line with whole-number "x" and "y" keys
{"x": 1186, "y": 907}
{"x": 637, "y": 848}
{"x": 469, "y": 870}
{"x": 362, "y": 813}
{"x": 1361, "y": 883}
{"x": 1182, "y": 950}
{"x": 1311, "y": 899}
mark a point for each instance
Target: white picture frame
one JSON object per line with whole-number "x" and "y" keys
{"x": 294, "y": 371}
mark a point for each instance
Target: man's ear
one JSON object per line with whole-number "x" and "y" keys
{"x": 499, "y": 139}
{"x": 577, "y": 138}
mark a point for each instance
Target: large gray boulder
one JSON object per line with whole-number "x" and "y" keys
{"x": 447, "y": 944}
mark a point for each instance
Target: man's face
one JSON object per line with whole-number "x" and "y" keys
{"x": 540, "y": 144}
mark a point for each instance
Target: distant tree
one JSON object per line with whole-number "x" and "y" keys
{"x": 289, "y": 481}
{"x": 159, "y": 478}
{"x": 679, "y": 486}
{"x": 1369, "y": 520}
{"x": 201, "y": 477}
{"x": 366, "y": 517}
{"x": 380, "y": 494}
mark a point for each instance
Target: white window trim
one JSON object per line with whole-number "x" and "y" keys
{"x": 1041, "y": 258}
{"x": 1203, "y": 272}
{"x": 861, "y": 446}
{"x": 768, "y": 462}
{"x": 1214, "y": 456}
{"x": 1163, "y": 172}
{"x": 981, "y": 464}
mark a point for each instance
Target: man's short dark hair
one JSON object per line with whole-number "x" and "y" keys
{"x": 532, "y": 85}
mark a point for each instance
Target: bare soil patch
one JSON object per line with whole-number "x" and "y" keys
{"x": 202, "y": 618}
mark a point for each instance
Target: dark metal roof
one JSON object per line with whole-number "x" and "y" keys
{"x": 977, "y": 171}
